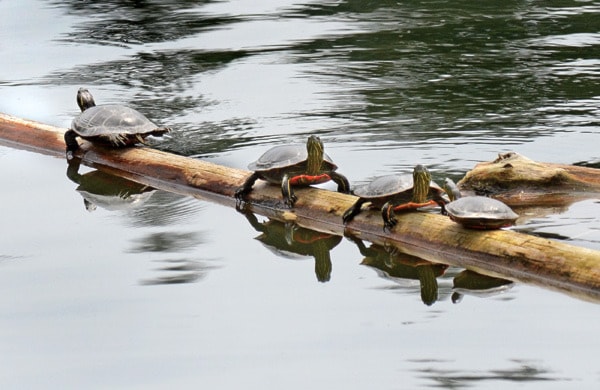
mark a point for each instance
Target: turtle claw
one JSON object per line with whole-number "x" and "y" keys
{"x": 389, "y": 225}
{"x": 239, "y": 194}
{"x": 290, "y": 201}
{"x": 240, "y": 205}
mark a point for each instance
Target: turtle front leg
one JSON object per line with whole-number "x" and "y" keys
{"x": 416, "y": 205}
{"x": 245, "y": 188}
{"x": 71, "y": 142}
{"x": 353, "y": 211}
{"x": 288, "y": 193}
{"x": 306, "y": 180}
{"x": 389, "y": 219}
{"x": 341, "y": 181}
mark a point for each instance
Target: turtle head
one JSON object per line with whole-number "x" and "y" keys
{"x": 451, "y": 189}
{"x": 315, "y": 149}
{"x": 421, "y": 183}
{"x": 85, "y": 99}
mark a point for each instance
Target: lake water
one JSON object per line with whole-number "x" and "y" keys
{"x": 157, "y": 290}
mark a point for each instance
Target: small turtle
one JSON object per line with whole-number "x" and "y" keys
{"x": 294, "y": 165}
{"x": 477, "y": 212}
{"x": 111, "y": 124}
{"x": 392, "y": 193}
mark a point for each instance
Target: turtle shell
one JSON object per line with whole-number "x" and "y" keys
{"x": 384, "y": 186}
{"x": 480, "y": 212}
{"x": 110, "y": 119}
{"x": 283, "y": 156}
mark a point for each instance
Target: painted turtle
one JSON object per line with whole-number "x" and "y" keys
{"x": 294, "y": 165}
{"x": 477, "y": 212}
{"x": 397, "y": 192}
{"x": 111, "y": 124}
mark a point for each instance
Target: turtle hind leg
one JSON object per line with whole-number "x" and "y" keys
{"x": 245, "y": 188}
{"x": 442, "y": 203}
{"x": 71, "y": 142}
{"x": 353, "y": 211}
{"x": 341, "y": 181}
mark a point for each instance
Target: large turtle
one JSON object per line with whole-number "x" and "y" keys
{"x": 477, "y": 212}
{"x": 294, "y": 165}
{"x": 111, "y": 124}
{"x": 392, "y": 193}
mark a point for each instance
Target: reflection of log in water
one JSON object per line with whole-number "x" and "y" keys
{"x": 393, "y": 264}
{"x": 288, "y": 240}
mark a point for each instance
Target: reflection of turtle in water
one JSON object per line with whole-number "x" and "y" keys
{"x": 110, "y": 124}
{"x": 393, "y": 264}
{"x": 289, "y": 240}
{"x": 108, "y": 191}
{"x": 472, "y": 283}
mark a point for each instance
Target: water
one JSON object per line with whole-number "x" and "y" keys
{"x": 162, "y": 290}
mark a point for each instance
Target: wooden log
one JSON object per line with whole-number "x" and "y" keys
{"x": 428, "y": 235}
{"x": 519, "y": 181}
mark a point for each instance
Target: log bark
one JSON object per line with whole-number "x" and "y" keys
{"x": 428, "y": 235}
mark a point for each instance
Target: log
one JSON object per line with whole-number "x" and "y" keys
{"x": 428, "y": 235}
{"x": 519, "y": 181}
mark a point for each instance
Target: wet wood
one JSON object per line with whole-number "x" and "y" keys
{"x": 428, "y": 235}
{"x": 519, "y": 181}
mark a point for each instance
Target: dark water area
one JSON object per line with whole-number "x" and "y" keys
{"x": 107, "y": 283}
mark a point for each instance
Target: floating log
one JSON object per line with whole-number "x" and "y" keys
{"x": 519, "y": 181}
{"x": 431, "y": 236}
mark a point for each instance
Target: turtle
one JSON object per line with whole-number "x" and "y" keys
{"x": 110, "y": 124}
{"x": 392, "y": 193}
{"x": 294, "y": 165}
{"x": 477, "y": 212}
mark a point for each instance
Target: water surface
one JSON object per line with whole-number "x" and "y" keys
{"x": 158, "y": 290}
